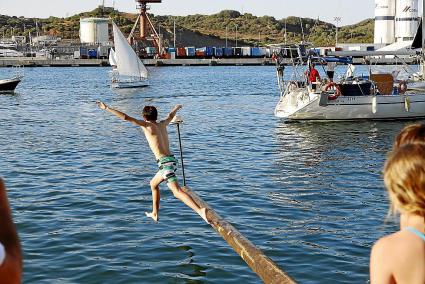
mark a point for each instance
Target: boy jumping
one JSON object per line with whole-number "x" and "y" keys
{"x": 157, "y": 136}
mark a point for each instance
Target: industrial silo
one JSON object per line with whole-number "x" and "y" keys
{"x": 406, "y": 20}
{"x": 94, "y": 30}
{"x": 384, "y": 21}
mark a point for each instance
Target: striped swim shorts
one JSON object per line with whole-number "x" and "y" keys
{"x": 167, "y": 166}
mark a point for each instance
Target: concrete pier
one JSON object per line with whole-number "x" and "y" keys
{"x": 265, "y": 268}
{"x": 43, "y": 62}
{"x": 209, "y": 62}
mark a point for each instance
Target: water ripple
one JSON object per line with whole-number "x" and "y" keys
{"x": 309, "y": 195}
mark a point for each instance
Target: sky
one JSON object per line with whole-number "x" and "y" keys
{"x": 349, "y": 11}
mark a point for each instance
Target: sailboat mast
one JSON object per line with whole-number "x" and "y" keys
{"x": 423, "y": 41}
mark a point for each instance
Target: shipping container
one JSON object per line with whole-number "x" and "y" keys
{"x": 150, "y": 50}
{"x": 246, "y": 51}
{"x": 204, "y": 52}
{"x": 181, "y": 52}
{"x": 102, "y": 52}
{"x": 92, "y": 53}
{"x": 237, "y": 51}
{"x": 83, "y": 52}
{"x": 166, "y": 56}
{"x": 258, "y": 52}
{"x": 200, "y": 52}
{"x": 227, "y": 51}
{"x": 218, "y": 52}
{"x": 263, "y": 51}
{"x": 190, "y": 51}
{"x": 269, "y": 53}
{"x": 208, "y": 51}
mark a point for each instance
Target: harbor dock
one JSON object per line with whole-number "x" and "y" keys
{"x": 44, "y": 62}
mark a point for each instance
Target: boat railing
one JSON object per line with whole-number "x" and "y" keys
{"x": 18, "y": 70}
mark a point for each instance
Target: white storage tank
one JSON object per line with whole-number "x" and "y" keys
{"x": 94, "y": 30}
{"x": 406, "y": 20}
{"x": 384, "y": 21}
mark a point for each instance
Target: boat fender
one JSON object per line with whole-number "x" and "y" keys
{"x": 332, "y": 85}
{"x": 407, "y": 103}
{"x": 374, "y": 105}
{"x": 402, "y": 87}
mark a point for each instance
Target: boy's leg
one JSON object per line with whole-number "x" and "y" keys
{"x": 154, "y": 183}
{"x": 186, "y": 199}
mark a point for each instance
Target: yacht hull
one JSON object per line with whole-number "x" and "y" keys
{"x": 130, "y": 85}
{"x": 302, "y": 106}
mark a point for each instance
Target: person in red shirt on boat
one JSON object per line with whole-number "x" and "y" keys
{"x": 313, "y": 76}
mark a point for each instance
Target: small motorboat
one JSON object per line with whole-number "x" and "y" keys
{"x": 9, "y": 85}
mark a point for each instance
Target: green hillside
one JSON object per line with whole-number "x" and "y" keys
{"x": 191, "y": 30}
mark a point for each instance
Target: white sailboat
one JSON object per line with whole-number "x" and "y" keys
{"x": 378, "y": 97}
{"x": 130, "y": 71}
{"x": 112, "y": 59}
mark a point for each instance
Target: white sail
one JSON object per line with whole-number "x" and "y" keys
{"x": 112, "y": 59}
{"x": 128, "y": 63}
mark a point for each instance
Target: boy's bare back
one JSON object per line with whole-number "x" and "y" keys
{"x": 157, "y": 136}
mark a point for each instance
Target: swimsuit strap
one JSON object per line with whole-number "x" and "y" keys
{"x": 416, "y": 232}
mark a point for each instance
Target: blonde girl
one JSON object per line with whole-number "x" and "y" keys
{"x": 400, "y": 257}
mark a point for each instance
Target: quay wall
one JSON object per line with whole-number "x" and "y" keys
{"x": 43, "y": 62}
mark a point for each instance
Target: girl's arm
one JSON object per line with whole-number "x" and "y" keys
{"x": 380, "y": 263}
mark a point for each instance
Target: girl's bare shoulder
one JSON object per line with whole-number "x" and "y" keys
{"x": 401, "y": 244}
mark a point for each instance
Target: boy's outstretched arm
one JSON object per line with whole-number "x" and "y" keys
{"x": 120, "y": 114}
{"x": 172, "y": 114}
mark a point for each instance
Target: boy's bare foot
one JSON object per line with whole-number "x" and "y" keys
{"x": 153, "y": 216}
{"x": 203, "y": 214}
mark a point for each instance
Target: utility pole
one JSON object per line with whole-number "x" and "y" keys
{"x": 259, "y": 38}
{"x": 302, "y": 29}
{"x": 226, "y": 36}
{"x": 174, "y": 33}
{"x": 423, "y": 40}
{"x": 236, "y": 35}
{"x": 337, "y": 20}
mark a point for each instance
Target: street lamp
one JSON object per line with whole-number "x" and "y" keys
{"x": 337, "y": 20}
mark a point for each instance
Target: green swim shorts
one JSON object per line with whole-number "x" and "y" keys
{"x": 167, "y": 166}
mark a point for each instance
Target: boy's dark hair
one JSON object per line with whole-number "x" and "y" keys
{"x": 150, "y": 113}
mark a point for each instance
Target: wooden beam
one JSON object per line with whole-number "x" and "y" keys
{"x": 261, "y": 264}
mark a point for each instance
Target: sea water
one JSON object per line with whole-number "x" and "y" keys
{"x": 309, "y": 195}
